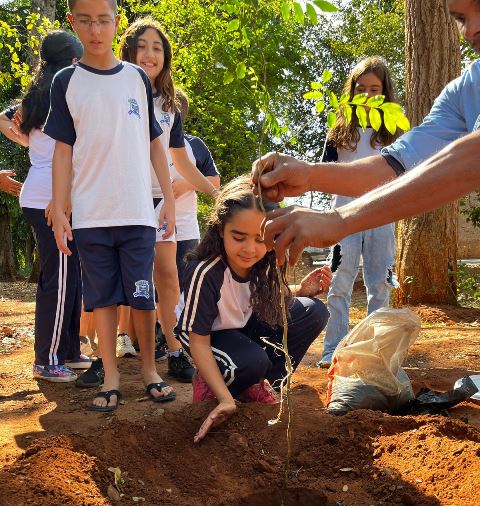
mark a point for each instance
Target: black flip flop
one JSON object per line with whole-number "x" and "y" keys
{"x": 159, "y": 386}
{"x": 106, "y": 395}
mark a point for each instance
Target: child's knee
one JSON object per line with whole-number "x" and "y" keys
{"x": 319, "y": 314}
{"x": 256, "y": 368}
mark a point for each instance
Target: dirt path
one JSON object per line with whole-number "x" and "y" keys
{"x": 52, "y": 451}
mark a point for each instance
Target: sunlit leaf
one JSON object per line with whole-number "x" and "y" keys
{"x": 311, "y": 14}
{"x": 298, "y": 11}
{"x": 285, "y": 11}
{"x": 391, "y": 107}
{"x": 320, "y": 106}
{"x": 331, "y": 119}
{"x": 359, "y": 99}
{"x": 375, "y": 101}
{"x": 325, "y": 6}
{"x": 326, "y": 76}
{"x": 390, "y": 123}
{"x": 333, "y": 100}
{"x": 344, "y": 98}
{"x": 375, "y": 119}
{"x": 362, "y": 116}
{"x": 347, "y": 111}
{"x": 228, "y": 77}
{"x": 316, "y": 86}
{"x": 313, "y": 95}
{"x": 403, "y": 122}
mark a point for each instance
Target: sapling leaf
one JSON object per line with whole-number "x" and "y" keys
{"x": 325, "y": 6}
{"x": 333, "y": 100}
{"x": 359, "y": 99}
{"x": 285, "y": 11}
{"x": 326, "y": 76}
{"x": 347, "y": 111}
{"x": 390, "y": 123}
{"x": 403, "y": 122}
{"x": 311, "y": 14}
{"x": 331, "y": 118}
{"x": 391, "y": 107}
{"x": 298, "y": 11}
{"x": 362, "y": 116}
{"x": 313, "y": 95}
{"x": 320, "y": 106}
{"x": 375, "y": 119}
{"x": 316, "y": 86}
{"x": 375, "y": 101}
{"x": 344, "y": 98}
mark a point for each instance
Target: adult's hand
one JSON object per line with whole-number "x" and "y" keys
{"x": 293, "y": 228}
{"x": 281, "y": 176}
{"x": 8, "y": 184}
{"x": 220, "y": 414}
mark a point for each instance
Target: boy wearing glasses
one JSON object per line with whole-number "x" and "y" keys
{"x": 102, "y": 118}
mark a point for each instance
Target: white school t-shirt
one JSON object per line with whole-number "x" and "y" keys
{"x": 108, "y": 118}
{"x": 172, "y": 137}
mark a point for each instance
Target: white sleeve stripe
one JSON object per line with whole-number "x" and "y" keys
{"x": 192, "y": 303}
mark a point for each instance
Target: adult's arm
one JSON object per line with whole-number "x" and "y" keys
{"x": 448, "y": 175}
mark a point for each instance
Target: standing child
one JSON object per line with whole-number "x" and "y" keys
{"x": 58, "y": 297}
{"x": 346, "y": 143}
{"x": 145, "y": 44}
{"x": 232, "y": 304}
{"x": 106, "y": 135}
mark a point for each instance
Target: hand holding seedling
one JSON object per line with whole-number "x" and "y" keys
{"x": 294, "y": 228}
{"x": 280, "y": 176}
{"x": 220, "y": 414}
{"x": 316, "y": 282}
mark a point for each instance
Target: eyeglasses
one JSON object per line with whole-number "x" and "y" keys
{"x": 87, "y": 24}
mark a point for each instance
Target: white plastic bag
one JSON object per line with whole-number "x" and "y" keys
{"x": 366, "y": 366}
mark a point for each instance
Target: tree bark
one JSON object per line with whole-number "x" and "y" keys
{"x": 7, "y": 262}
{"x": 46, "y": 9}
{"x": 427, "y": 244}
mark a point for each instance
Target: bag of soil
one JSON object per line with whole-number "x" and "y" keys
{"x": 366, "y": 368}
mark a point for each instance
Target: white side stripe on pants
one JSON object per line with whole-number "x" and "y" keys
{"x": 57, "y": 329}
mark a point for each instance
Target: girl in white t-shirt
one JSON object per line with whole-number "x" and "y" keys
{"x": 58, "y": 299}
{"x": 145, "y": 44}
{"x": 347, "y": 142}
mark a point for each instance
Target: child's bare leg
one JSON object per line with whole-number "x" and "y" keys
{"x": 123, "y": 319}
{"x": 106, "y": 326}
{"x": 165, "y": 278}
{"x": 144, "y": 322}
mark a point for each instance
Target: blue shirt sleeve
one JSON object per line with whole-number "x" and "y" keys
{"x": 59, "y": 124}
{"x": 204, "y": 160}
{"x": 176, "y": 133}
{"x": 445, "y": 123}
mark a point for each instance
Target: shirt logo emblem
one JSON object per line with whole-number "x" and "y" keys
{"x": 134, "y": 108}
{"x": 142, "y": 289}
{"x": 164, "y": 118}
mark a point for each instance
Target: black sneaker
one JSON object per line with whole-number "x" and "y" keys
{"x": 181, "y": 368}
{"x": 93, "y": 377}
{"x": 160, "y": 343}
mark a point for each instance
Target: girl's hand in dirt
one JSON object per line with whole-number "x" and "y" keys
{"x": 220, "y": 414}
{"x": 280, "y": 176}
{"x": 316, "y": 282}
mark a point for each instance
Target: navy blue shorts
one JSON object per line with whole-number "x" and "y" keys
{"x": 117, "y": 265}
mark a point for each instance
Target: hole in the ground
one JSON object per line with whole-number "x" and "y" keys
{"x": 271, "y": 497}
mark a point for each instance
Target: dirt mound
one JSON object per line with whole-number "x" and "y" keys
{"x": 450, "y": 315}
{"x": 362, "y": 458}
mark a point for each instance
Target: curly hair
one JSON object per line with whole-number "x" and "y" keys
{"x": 347, "y": 136}
{"x": 265, "y": 286}
{"x": 128, "y": 52}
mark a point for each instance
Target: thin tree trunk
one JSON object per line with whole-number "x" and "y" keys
{"x": 46, "y": 9}
{"x": 7, "y": 262}
{"x": 427, "y": 244}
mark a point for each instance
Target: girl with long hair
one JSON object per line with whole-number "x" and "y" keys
{"x": 347, "y": 142}
{"x": 232, "y": 312}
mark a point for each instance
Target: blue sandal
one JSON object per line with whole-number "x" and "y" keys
{"x": 106, "y": 395}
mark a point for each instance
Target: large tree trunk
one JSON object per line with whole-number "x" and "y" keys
{"x": 46, "y": 9}
{"x": 427, "y": 244}
{"x": 7, "y": 262}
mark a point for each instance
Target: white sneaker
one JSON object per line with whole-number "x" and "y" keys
{"x": 124, "y": 346}
{"x": 85, "y": 346}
